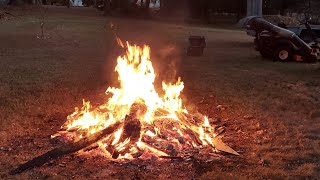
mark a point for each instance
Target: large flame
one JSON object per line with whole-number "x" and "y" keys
{"x": 159, "y": 119}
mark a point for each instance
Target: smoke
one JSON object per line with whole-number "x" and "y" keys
{"x": 169, "y": 60}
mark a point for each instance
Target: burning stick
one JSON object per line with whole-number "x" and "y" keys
{"x": 64, "y": 150}
{"x": 119, "y": 42}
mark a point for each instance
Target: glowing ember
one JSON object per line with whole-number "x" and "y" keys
{"x": 152, "y": 124}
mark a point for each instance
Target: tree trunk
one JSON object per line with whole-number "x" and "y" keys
{"x": 146, "y": 8}
{"x": 135, "y": 2}
{"x": 164, "y": 6}
{"x": 107, "y": 7}
{"x": 124, "y": 5}
{"x": 147, "y": 5}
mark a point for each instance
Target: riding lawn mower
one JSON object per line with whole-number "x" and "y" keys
{"x": 280, "y": 43}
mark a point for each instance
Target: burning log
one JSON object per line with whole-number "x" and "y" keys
{"x": 64, "y": 150}
{"x": 131, "y": 130}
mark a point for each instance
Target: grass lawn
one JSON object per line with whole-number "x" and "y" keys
{"x": 272, "y": 110}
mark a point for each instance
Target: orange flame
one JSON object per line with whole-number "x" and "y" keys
{"x": 137, "y": 78}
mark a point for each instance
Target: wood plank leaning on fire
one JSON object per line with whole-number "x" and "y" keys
{"x": 65, "y": 150}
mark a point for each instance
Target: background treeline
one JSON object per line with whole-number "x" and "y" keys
{"x": 207, "y": 10}
{"x": 199, "y": 8}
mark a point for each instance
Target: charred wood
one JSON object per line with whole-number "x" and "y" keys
{"x": 64, "y": 150}
{"x": 131, "y": 130}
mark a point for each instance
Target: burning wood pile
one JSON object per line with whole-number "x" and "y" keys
{"x": 136, "y": 122}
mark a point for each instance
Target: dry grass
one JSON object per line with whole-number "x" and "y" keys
{"x": 41, "y": 81}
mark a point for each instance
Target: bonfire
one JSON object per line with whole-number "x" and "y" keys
{"x": 159, "y": 125}
{"x": 136, "y": 122}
